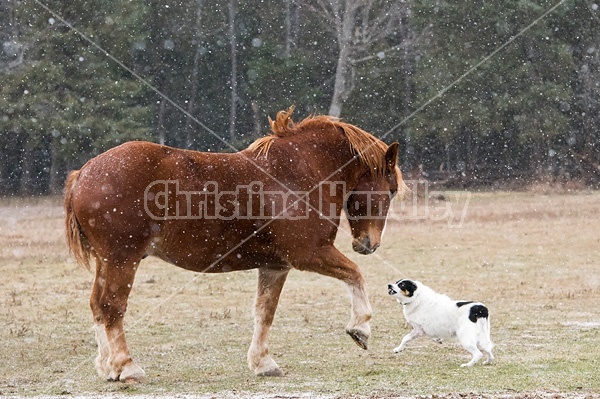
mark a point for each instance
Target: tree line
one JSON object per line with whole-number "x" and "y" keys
{"x": 474, "y": 91}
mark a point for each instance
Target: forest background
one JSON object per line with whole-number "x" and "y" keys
{"x": 477, "y": 92}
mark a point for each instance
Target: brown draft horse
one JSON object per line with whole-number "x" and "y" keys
{"x": 273, "y": 206}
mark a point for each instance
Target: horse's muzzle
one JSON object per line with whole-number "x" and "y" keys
{"x": 364, "y": 246}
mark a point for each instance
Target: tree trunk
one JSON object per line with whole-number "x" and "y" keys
{"x": 159, "y": 70}
{"x": 161, "y": 121}
{"x": 256, "y": 114}
{"x": 536, "y": 159}
{"x": 28, "y": 177}
{"x": 470, "y": 156}
{"x": 233, "y": 44}
{"x": 339, "y": 88}
{"x": 189, "y": 139}
{"x": 291, "y": 26}
{"x": 537, "y": 139}
{"x": 407, "y": 64}
{"x": 56, "y": 178}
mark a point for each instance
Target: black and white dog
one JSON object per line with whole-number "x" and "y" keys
{"x": 439, "y": 317}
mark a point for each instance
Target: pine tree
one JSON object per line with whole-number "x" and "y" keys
{"x": 67, "y": 99}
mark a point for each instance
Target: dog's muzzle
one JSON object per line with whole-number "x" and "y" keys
{"x": 391, "y": 290}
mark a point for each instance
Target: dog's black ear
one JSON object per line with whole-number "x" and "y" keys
{"x": 407, "y": 286}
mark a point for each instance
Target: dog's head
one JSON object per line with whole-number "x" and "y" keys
{"x": 403, "y": 290}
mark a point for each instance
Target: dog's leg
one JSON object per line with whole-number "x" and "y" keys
{"x": 490, "y": 357}
{"x": 476, "y": 356}
{"x": 415, "y": 333}
{"x": 471, "y": 346}
{"x": 487, "y": 349}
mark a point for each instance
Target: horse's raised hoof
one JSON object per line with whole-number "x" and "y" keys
{"x": 359, "y": 337}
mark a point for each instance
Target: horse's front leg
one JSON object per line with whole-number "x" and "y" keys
{"x": 329, "y": 261}
{"x": 270, "y": 283}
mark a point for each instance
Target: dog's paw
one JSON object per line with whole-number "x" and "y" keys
{"x": 398, "y": 349}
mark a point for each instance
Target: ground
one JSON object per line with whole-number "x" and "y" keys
{"x": 533, "y": 258}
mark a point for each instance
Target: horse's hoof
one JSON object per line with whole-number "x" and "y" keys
{"x": 276, "y": 372}
{"x": 132, "y": 373}
{"x": 102, "y": 368}
{"x": 263, "y": 367}
{"x": 359, "y": 337}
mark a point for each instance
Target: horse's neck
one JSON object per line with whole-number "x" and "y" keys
{"x": 335, "y": 161}
{"x": 328, "y": 159}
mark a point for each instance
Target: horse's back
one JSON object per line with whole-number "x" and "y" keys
{"x": 130, "y": 168}
{"x": 133, "y": 200}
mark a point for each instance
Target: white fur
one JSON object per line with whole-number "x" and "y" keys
{"x": 103, "y": 351}
{"x": 439, "y": 317}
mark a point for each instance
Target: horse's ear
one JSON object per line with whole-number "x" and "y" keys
{"x": 391, "y": 156}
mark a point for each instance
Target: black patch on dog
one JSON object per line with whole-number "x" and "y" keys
{"x": 461, "y": 304}
{"x": 408, "y": 286}
{"x": 478, "y": 312}
{"x": 391, "y": 289}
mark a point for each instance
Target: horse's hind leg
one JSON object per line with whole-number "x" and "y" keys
{"x": 270, "y": 283}
{"x": 97, "y": 289}
{"x": 119, "y": 276}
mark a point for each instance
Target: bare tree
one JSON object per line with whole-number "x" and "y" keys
{"x": 292, "y": 22}
{"x": 357, "y": 26}
{"x": 158, "y": 67}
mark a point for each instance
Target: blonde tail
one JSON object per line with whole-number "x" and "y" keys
{"x": 79, "y": 247}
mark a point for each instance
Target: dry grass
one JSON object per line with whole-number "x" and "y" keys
{"x": 533, "y": 259}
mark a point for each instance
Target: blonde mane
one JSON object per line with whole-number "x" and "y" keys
{"x": 370, "y": 150}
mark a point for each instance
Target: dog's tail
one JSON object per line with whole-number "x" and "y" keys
{"x": 485, "y": 340}
{"x": 485, "y": 328}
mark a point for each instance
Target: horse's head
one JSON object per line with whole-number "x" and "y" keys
{"x": 368, "y": 203}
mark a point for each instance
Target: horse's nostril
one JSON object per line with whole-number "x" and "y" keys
{"x": 367, "y": 243}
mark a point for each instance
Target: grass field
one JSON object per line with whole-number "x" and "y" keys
{"x": 533, "y": 259}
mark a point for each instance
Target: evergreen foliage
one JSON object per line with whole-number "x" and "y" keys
{"x": 530, "y": 110}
